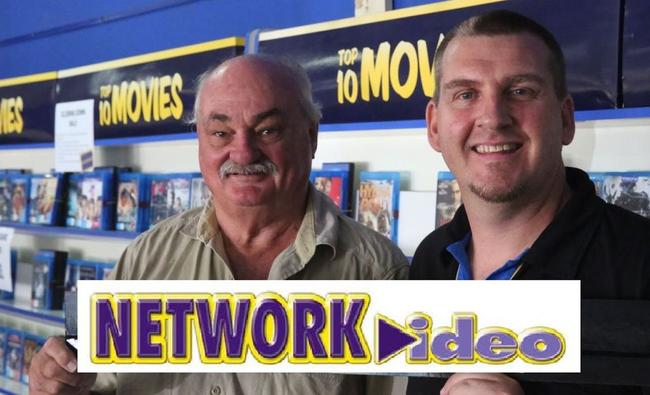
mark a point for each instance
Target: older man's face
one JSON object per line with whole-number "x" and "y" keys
{"x": 498, "y": 122}
{"x": 255, "y": 143}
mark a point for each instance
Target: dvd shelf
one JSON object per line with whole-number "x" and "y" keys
{"x": 63, "y": 231}
{"x": 27, "y": 312}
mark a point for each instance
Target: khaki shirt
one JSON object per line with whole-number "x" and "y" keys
{"x": 329, "y": 246}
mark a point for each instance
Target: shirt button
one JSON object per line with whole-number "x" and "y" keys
{"x": 215, "y": 390}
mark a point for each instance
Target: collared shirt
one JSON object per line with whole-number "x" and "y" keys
{"x": 604, "y": 246}
{"x": 458, "y": 250}
{"x": 328, "y": 246}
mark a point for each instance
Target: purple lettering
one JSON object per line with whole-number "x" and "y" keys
{"x": 305, "y": 335}
{"x": 276, "y": 311}
{"x": 343, "y": 327}
{"x": 179, "y": 309}
{"x": 551, "y": 346}
{"x": 105, "y": 323}
{"x": 463, "y": 340}
{"x": 146, "y": 328}
{"x": 496, "y": 346}
{"x": 222, "y": 326}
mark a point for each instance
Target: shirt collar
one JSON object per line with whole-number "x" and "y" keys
{"x": 319, "y": 227}
{"x": 557, "y": 251}
{"x": 458, "y": 250}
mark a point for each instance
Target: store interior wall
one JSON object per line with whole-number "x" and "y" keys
{"x": 38, "y": 36}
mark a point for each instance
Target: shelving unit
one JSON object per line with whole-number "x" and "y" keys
{"x": 10, "y": 387}
{"x": 62, "y": 231}
{"x": 19, "y": 310}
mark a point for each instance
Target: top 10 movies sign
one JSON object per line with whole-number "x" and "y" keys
{"x": 329, "y": 326}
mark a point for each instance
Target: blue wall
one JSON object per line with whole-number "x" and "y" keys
{"x": 45, "y": 35}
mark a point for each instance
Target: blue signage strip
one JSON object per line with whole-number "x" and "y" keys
{"x": 147, "y": 95}
{"x": 636, "y": 54}
{"x": 379, "y": 69}
{"x": 26, "y": 109}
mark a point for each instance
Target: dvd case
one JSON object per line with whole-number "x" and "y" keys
{"x": 378, "y": 202}
{"x": 598, "y": 179}
{"x": 630, "y": 190}
{"x": 448, "y": 198}
{"x": 13, "y": 354}
{"x": 133, "y": 195}
{"x": 6, "y": 295}
{"x": 31, "y": 345}
{"x": 200, "y": 192}
{"x": 333, "y": 183}
{"x": 48, "y": 279}
{"x": 79, "y": 269}
{"x": 5, "y": 198}
{"x": 19, "y": 187}
{"x": 3, "y": 344}
{"x": 46, "y": 198}
{"x": 347, "y": 167}
{"x": 91, "y": 200}
{"x": 170, "y": 195}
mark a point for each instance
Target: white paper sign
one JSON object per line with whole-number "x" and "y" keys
{"x": 329, "y": 326}
{"x": 6, "y": 235}
{"x": 74, "y": 134}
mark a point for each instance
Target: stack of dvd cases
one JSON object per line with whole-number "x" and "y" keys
{"x": 48, "y": 279}
{"x": 133, "y": 195}
{"x": 91, "y": 200}
{"x": 46, "y": 198}
{"x": 170, "y": 195}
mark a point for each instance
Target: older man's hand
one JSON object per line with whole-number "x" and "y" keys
{"x": 54, "y": 371}
{"x": 481, "y": 384}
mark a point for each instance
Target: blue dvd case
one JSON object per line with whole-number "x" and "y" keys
{"x": 46, "y": 198}
{"x": 19, "y": 188}
{"x": 200, "y": 192}
{"x": 3, "y": 344}
{"x": 448, "y": 198}
{"x": 378, "y": 202}
{"x": 598, "y": 178}
{"x": 629, "y": 190}
{"x": 133, "y": 196}
{"x": 31, "y": 345}
{"x": 171, "y": 194}
{"x": 48, "y": 279}
{"x": 13, "y": 354}
{"x": 91, "y": 200}
{"x": 6, "y": 295}
{"x": 335, "y": 184}
{"x": 79, "y": 269}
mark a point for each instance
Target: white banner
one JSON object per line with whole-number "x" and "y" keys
{"x": 329, "y": 326}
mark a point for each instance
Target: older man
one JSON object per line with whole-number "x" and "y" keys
{"x": 257, "y": 129}
{"x": 500, "y": 116}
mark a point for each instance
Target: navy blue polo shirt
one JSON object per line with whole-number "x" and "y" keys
{"x": 458, "y": 250}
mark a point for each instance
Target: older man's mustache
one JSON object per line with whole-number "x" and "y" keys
{"x": 265, "y": 167}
